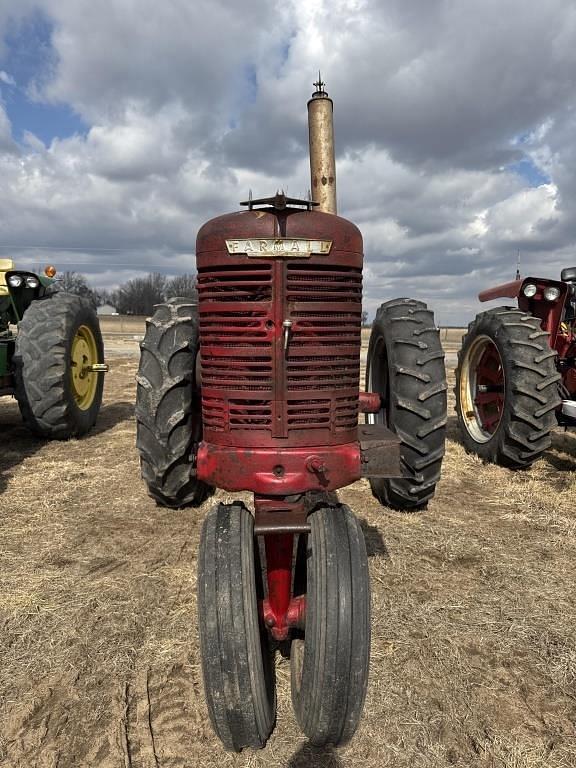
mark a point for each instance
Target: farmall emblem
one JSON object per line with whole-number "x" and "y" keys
{"x": 279, "y": 247}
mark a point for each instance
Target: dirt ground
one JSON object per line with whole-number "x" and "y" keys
{"x": 474, "y": 606}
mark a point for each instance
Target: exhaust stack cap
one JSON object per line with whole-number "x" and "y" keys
{"x": 322, "y": 159}
{"x": 320, "y": 92}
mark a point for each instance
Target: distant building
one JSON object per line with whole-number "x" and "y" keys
{"x": 107, "y": 309}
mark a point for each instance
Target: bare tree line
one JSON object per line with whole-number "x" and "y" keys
{"x": 135, "y": 297}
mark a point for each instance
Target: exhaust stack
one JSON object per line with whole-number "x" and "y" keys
{"x": 322, "y": 161}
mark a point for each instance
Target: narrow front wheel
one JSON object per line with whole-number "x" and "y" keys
{"x": 329, "y": 662}
{"x": 236, "y": 657}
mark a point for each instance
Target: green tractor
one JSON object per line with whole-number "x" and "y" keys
{"x": 51, "y": 353}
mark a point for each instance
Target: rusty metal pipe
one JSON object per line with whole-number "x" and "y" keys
{"x": 322, "y": 160}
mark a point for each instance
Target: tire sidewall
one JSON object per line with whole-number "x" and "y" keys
{"x": 488, "y": 324}
{"x": 172, "y": 333}
{"x": 65, "y": 324}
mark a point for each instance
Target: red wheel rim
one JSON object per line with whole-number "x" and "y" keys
{"x": 482, "y": 389}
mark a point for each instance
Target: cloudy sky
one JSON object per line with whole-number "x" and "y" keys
{"x": 124, "y": 124}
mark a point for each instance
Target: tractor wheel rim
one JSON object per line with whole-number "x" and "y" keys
{"x": 482, "y": 389}
{"x": 84, "y": 354}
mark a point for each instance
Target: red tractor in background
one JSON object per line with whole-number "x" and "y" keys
{"x": 257, "y": 389}
{"x": 516, "y": 376}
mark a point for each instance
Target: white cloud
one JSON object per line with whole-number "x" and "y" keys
{"x": 190, "y": 105}
{"x": 529, "y": 215}
{"x": 6, "y": 78}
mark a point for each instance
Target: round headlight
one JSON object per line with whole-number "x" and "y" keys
{"x": 551, "y": 293}
{"x": 529, "y": 290}
{"x": 32, "y": 282}
{"x": 15, "y": 281}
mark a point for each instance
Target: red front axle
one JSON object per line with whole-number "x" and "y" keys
{"x": 280, "y": 611}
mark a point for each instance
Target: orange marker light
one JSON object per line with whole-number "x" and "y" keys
{"x": 50, "y": 270}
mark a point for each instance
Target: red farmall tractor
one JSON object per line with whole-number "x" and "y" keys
{"x": 257, "y": 389}
{"x": 516, "y": 376}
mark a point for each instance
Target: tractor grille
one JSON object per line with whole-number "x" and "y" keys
{"x": 213, "y": 413}
{"x": 322, "y": 364}
{"x": 330, "y": 372}
{"x": 252, "y": 282}
{"x": 236, "y": 349}
{"x": 250, "y": 414}
{"x": 236, "y": 372}
{"x": 336, "y": 329}
{"x": 323, "y": 282}
{"x": 341, "y": 413}
{"x": 323, "y": 352}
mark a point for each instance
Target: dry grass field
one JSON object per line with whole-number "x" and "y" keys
{"x": 474, "y": 607}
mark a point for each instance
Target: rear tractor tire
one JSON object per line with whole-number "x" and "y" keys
{"x": 506, "y": 388}
{"x": 168, "y": 406}
{"x": 58, "y": 338}
{"x": 406, "y": 367}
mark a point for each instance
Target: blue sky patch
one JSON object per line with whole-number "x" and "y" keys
{"x": 29, "y": 59}
{"x": 46, "y": 121}
{"x": 529, "y": 171}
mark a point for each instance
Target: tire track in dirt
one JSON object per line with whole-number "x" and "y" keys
{"x": 35, "y": 734}
{"x": 174, "y": 719}
{"x": 162, "y": 719}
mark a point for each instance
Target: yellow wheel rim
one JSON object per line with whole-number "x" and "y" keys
{"x": 84, "y": 355}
